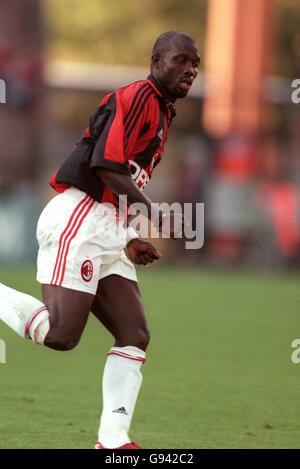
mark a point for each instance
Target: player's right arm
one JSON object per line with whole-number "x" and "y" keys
{"x": 123, "y": 184}
{"x": 138, "y": 250}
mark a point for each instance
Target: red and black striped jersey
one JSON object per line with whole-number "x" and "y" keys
{"x": 126, "y": 134}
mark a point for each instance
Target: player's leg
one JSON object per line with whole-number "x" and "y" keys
{"x": 68, "y": 314}
{"x": 118, "y": 306}
{"x": 57, "y": 322}
{"x": 24, "y": 314}
{"x": 66, "y": 269}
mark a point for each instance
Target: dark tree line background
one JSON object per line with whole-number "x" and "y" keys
{"x": 122, "y": 32}
{"x": 118, "y": 31}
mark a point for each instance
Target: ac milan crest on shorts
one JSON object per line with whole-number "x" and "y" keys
{"x": 87, "y": 270}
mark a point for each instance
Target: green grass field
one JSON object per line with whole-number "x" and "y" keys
{"x": 219, "y": 372}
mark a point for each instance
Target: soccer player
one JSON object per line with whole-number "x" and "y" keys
{"x": 82, "y": 264}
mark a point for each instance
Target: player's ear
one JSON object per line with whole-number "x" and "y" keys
{"x": 155, "y": 60}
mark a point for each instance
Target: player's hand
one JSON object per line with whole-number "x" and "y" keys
{"x": 142, "y": 252}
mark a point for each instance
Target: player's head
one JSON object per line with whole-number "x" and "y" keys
{"x": 174, "y": 63}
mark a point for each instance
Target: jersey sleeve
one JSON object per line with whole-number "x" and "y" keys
{"x": 131, "y": 234}
{"x": 126, "y": 113}
{"x": 109, "y": 150}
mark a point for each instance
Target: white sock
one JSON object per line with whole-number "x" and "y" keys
{"x": 122, "y": 380}
{"x": 26, "y": 315}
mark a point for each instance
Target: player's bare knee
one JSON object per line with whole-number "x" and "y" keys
{"x": 143, "y": 339}
{"x": 139, "y": 338}
{"x": 69, "y": 343}
{"x": 61, "y": 342}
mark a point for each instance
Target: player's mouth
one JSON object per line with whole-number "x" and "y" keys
{"x": 185, "y": 84}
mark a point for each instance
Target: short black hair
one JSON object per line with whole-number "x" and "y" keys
{"x": 163, "y": 42}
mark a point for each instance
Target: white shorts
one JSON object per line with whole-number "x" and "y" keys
{"x": 80, "y": 242}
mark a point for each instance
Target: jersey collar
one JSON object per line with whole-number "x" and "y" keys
{"x": 159, "y": 90}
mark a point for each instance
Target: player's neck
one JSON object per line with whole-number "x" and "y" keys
{"x": 162, "y": 89}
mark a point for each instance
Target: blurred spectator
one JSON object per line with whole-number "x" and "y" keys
{"x": 229, "y": 194}
{"x": 277, "y": 206}
{"x": 21, "y": 49}
{"x": 191, "y": 179}
{"x": 22, "y": 75}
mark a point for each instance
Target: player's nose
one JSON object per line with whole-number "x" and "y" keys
{"x": 190, "y": 72}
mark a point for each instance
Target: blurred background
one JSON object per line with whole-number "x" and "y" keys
{"x": 219, "y": 371}
{"x": 234, "y": 145}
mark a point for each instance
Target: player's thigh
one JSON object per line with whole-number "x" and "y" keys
{"x": 119, "y": 307}
{"x": 68, "y": 310}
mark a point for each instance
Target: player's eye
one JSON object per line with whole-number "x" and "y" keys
{"x": 195, "y": 64}
{"x": 180, "y": 60}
